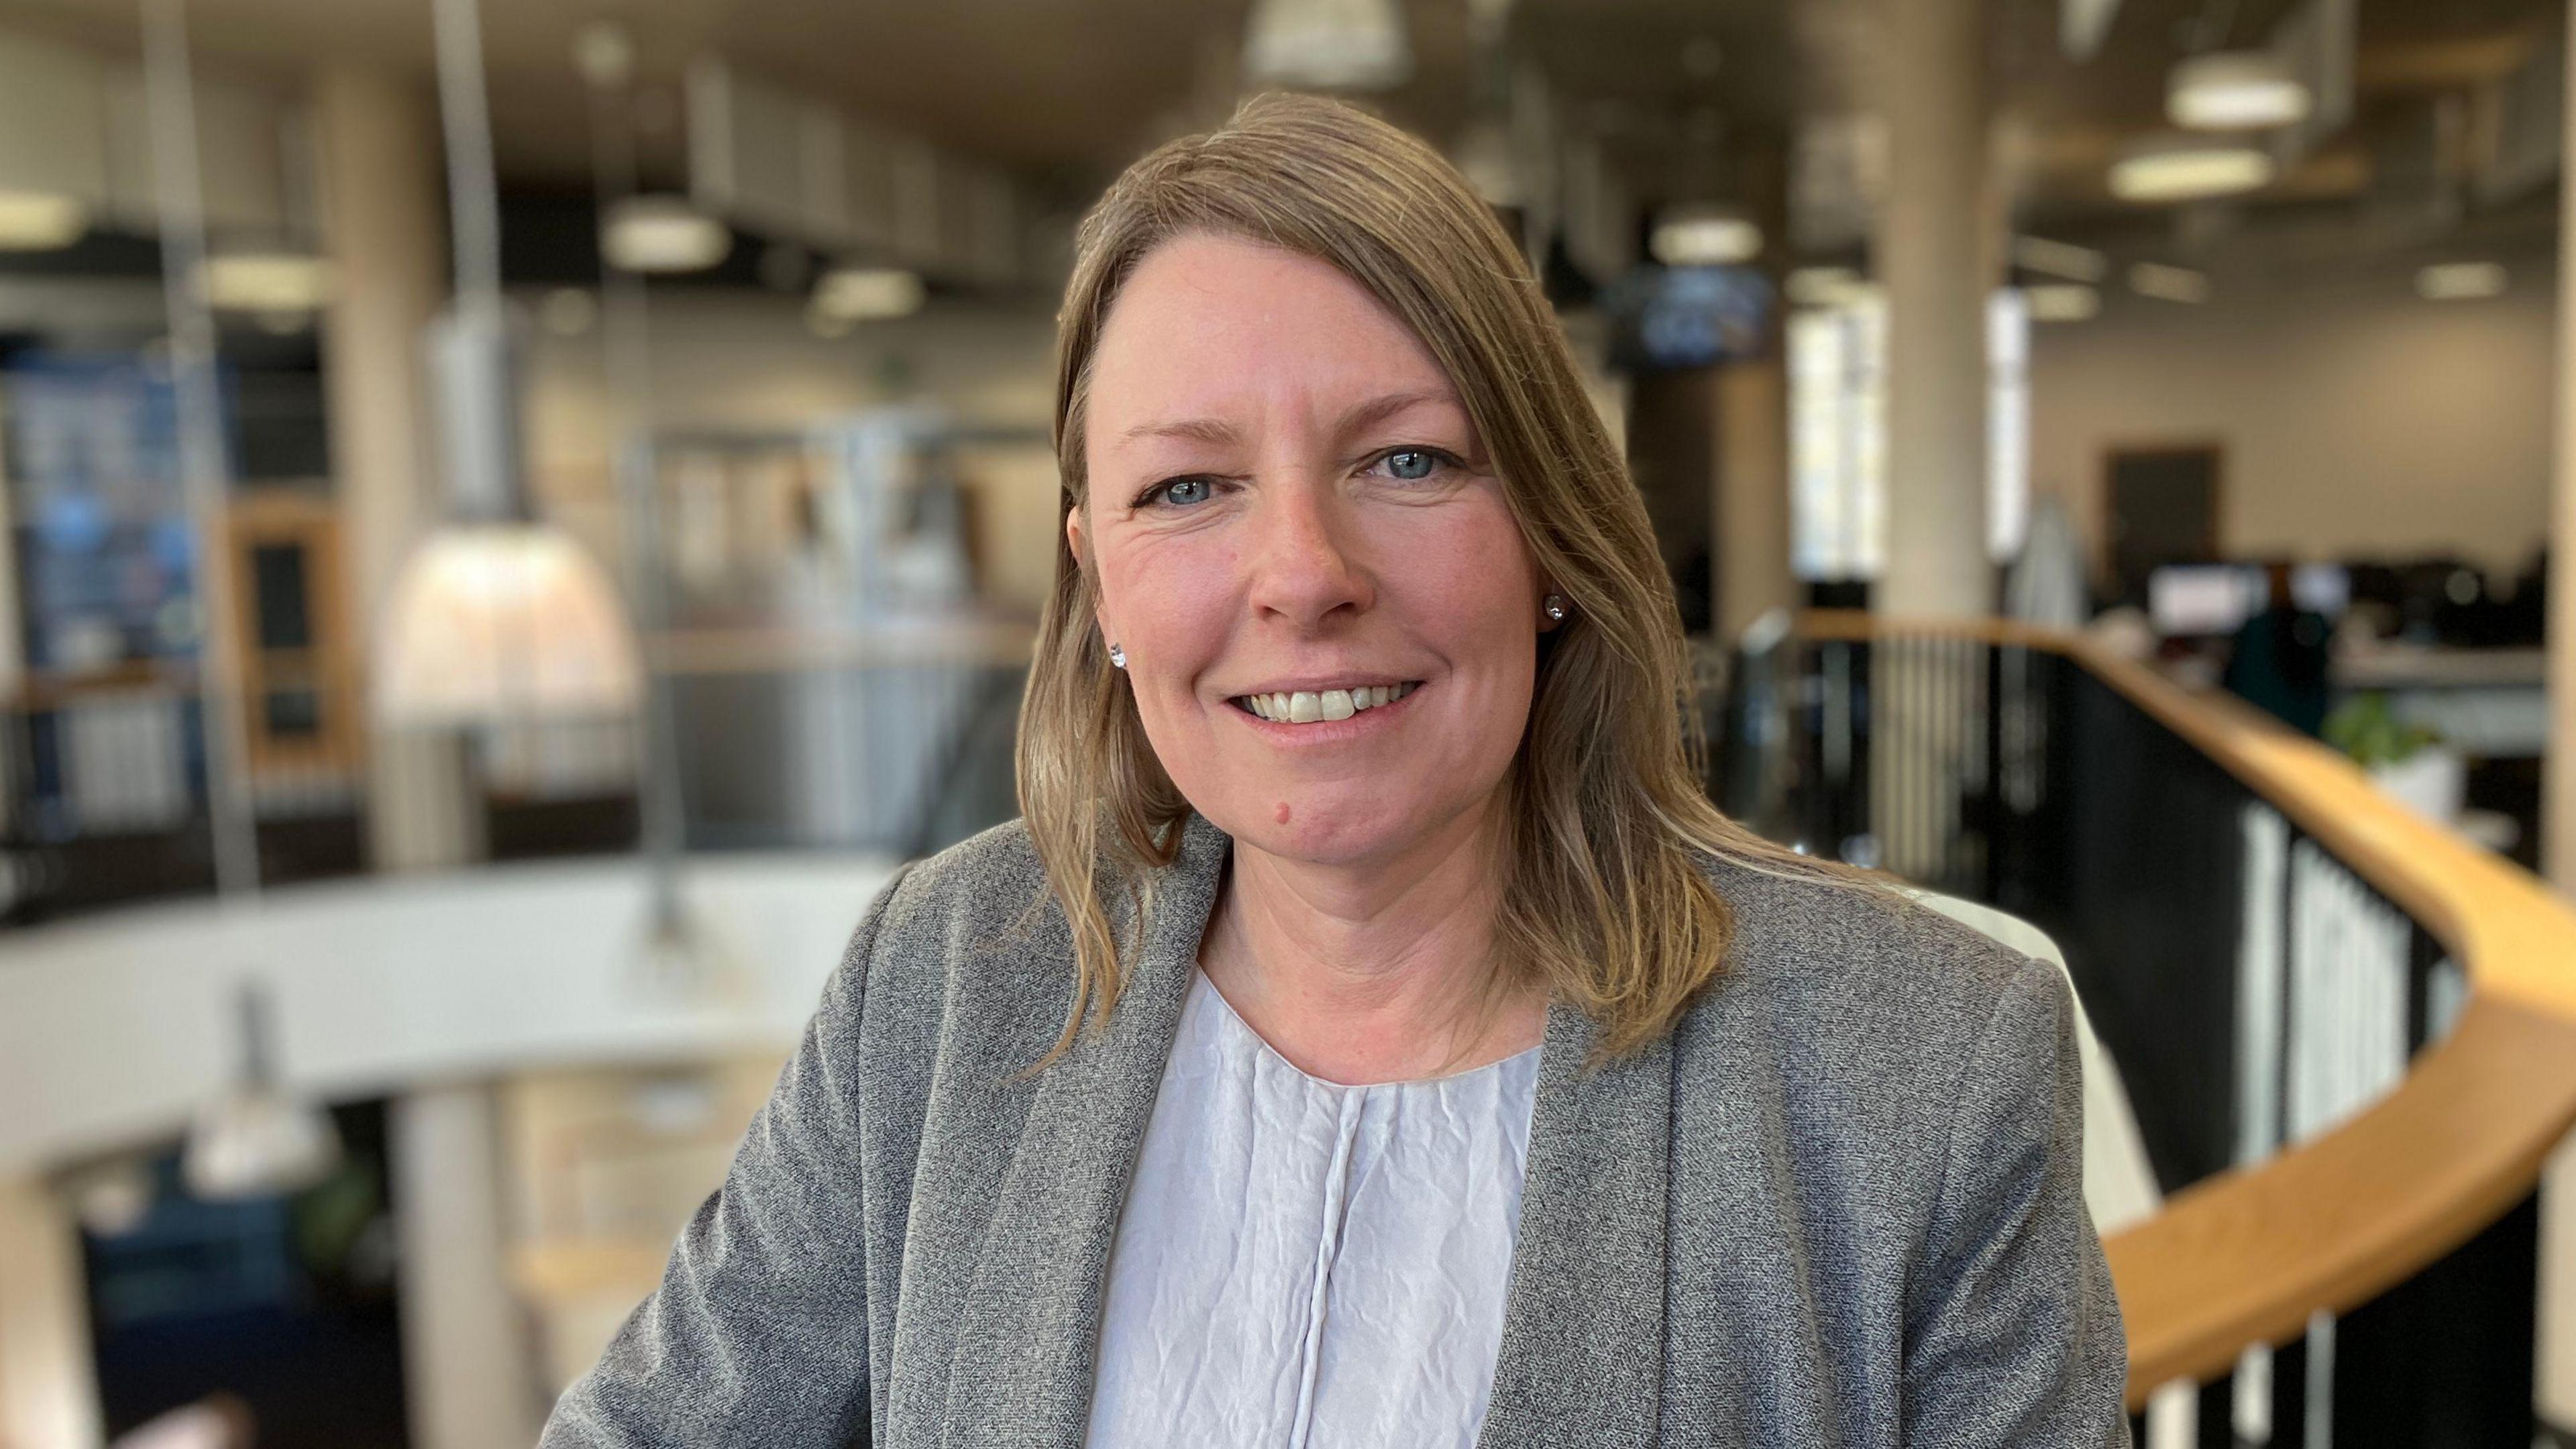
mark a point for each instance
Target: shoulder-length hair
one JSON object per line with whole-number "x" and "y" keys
{"x": 1607, "y": 897}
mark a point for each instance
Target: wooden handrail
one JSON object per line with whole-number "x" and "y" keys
{"x": 2244, "y": 1257}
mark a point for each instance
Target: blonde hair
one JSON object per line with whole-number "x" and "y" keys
{"x": 1606, "y": 896}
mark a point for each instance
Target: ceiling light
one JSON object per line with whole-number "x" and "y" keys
{"x": 2235, "y": 90}
{"x": 2169, "y": 284}
{"x": 2189, "y": 169}
{"x": 2062, "y": 302}
{"x": 1334, "y": 45}
{"x": 662, "y": 234}
{"x": 270, "y": 283}
{"x": 867, "y": 294}
{"x": 2058, "y": 259}
{"x": 40, "y": 221}
{"x": 2459, "y": 281}
{"x": 1704, "y": 236}
{"x": 257, "y": 1139}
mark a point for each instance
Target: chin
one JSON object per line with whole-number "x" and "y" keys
{"x": 1320, "y": 829}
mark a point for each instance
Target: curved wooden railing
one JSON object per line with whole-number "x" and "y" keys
{"x": 2245, "y": 1257}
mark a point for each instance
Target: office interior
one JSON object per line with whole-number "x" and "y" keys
{"x": 517, "y": 519}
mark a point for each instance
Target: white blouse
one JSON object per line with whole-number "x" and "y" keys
{"x": 1305, "y": 1263}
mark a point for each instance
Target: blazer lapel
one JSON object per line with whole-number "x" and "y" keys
{"x": 1582, "y": 1360}
{"x": 1022, "y": 1371}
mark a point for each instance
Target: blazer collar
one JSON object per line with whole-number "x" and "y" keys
{"x": 1581, "y": 1362}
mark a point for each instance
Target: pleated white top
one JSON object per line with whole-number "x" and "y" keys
{"x": 1304, "y": 1263}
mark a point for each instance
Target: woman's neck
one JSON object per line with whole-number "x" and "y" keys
{"x": 1373, "y": 972}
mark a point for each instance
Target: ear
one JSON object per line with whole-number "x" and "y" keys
{"x": 1074, "y": 540}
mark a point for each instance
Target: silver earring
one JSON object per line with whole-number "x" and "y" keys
{"x": 1117, "y": 657}
{"x": 1555, "y": 608}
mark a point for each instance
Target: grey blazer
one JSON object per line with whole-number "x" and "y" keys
{"x": 1842, "y": 1204}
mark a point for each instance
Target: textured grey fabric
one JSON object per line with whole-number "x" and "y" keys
{"x": 1841, "y": 1205}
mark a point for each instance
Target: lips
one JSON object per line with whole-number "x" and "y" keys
{"x": 1317, "y": 706}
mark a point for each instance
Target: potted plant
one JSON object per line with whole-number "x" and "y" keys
{"x": 2403, "y": 757}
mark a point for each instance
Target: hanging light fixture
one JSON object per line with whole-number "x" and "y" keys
{"x": 1331, "y": 45}
{"x": 1704, "y": 236}
{"x": 2235, "y": 90}
{"x": 2189, "y": 168}
{"x": 257, "y": 1140}
{"x": 663, "y": 234}
{"x": 867, "y": 294}
{"x": 496, "y": 616}
{"x": 40, "y": 221}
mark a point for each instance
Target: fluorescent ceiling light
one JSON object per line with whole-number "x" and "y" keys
{"x": 40, "y": 221}
{"x": 268, "y": 283}
{"x": 2058, "y": 259}
{"x": 2170, "y": 284}
{"x": 867, "y": 294}
{"x": 1334, "y": 45}
{"x": 1703, "y": 236}
{"x": 503, "y": 621}
{"x": 2459, "y": 281}
{"x": 663, "y": 234}
{"x": 2235, "y": 90}
{"x": 2189, "y": 169}
{"x": 2062, "y": 302}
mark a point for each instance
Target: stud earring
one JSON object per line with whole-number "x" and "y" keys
{"x": 1555, "y": 608}
{"x": 1117, "y": 657}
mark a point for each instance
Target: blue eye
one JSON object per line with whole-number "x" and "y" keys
{"x": 1412, "y": 464}
{"x": 1180, "y": 491}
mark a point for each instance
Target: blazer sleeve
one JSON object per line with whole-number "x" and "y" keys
{"x": 758, "y": 1332}
{"x": 2013, "y": 1334}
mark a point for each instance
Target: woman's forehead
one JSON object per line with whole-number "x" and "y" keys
{"x": 1210, "y": 326}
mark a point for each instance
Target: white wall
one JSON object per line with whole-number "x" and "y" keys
{"x": 2355, "y": 417}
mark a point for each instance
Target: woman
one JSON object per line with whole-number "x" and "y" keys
{"x": 1371, "y": 1035}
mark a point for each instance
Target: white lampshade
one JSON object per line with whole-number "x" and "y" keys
{"x": 502, "y": 621}
{"x": 2189, "y": 169}
{"x": 2235, "y": 90}
{"x": 1334, "y": 45}
{"x": 258, "y": 1142}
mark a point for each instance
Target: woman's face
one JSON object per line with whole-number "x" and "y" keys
{"x": 1292, "y": 520}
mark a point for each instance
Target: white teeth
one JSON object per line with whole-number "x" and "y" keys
{"x": 1311, "y": 706}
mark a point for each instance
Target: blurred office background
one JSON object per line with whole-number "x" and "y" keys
{"x": 515, "y": 520}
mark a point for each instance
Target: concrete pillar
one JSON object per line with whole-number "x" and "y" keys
{"x": 48, "y": 1380}
{"x": 1932, "y": 255}
{"x": 384, "y": 227}
{"x": 469, "y": 1362}
{"x": 2556, "y": 1377}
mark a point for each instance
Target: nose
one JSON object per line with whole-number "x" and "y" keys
{"x": 1304, "y": 570}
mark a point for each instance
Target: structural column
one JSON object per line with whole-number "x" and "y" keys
{"x": 468, "y": 1356}
{"x": 1932, "y": 257}
{"x": 383, "y": 223}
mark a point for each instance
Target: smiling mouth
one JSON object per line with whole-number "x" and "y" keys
{"x": 1318, "y": 706}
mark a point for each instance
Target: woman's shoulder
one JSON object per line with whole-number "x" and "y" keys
{"x": 971, "y": 929}
{"x": 1864, "y": 975}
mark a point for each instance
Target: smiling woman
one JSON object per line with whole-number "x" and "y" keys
{"x": 1372, "y": 1035}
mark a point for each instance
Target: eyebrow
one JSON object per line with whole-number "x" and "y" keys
{"x": 1355, "y": 418}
